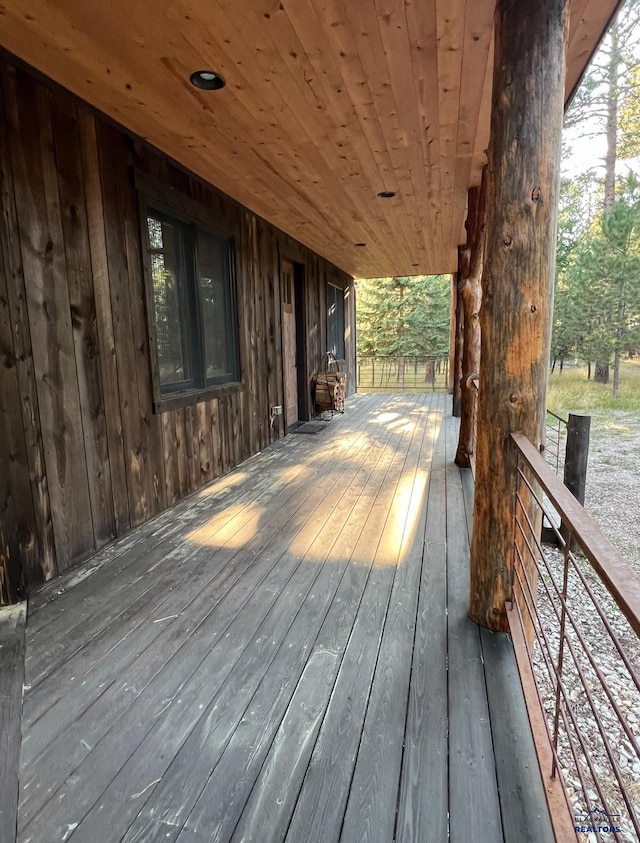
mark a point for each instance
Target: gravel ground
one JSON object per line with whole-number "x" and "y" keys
{"x": 613, "y": 496}
{"x": 613, "y": 479}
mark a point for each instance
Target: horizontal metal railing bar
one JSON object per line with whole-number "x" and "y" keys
{"x": 617, "y": 575}
{"x": 556, "y": 416}
{"x": 404, "y": 356}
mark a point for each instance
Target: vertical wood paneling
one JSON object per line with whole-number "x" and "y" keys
{"x": 203, "y": 413}
{"x": 244, "y": 302}
{"x": 109, "y": 151}
{"x": 150, "y": 424}
{"x": 181, "y": 451}
{"x": 261, "y": 384}
{"x": 225, "y": 433}
{"x": 104, "y": 321}
{"x": 25, "y": 498}
{"x": 86, "y": 456}
{"x": 193, "y": 451}
{"x": 16, "y": 504}
{"x": 278, "y": 425}
{"x": 170, "y": 451}
{"x": 83, "y": 316}
{"x": 216, "y": 445}
{"x": 270, "y": 269}
{"x": 41, "y": 239}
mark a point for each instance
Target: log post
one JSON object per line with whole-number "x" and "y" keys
{"x": 517, "y": 305}
{"x": 452, "y": 336}
{"x": 577, "y": 455}
{"x": 463, "y": 271}
{"x": 471, "y": 298}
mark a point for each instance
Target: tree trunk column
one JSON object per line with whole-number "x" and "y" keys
{"x": 471, "y": 300}
{"x": 517, "y": 304}
{"x": 463, "y": 270}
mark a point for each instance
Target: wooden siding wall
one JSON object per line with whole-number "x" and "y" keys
{"x": 83, "y": 457}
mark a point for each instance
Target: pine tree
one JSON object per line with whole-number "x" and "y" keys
{"x": 404, "y": 316}
{"x": 607, "y": 280}
{"x": 598, "y": 107}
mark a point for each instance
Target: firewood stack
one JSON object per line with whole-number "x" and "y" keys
{"x": 330, "y": 391}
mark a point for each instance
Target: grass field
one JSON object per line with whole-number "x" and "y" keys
{"x": 570, "y": 391}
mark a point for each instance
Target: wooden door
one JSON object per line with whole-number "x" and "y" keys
{"x": 289, "y": 349}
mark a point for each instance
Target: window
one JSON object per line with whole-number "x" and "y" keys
{"x": 193, "y": 304}
{"x": 335, "y": 321}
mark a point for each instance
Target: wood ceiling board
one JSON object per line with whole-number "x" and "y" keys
{"x": 394, "y": 33}
{"x": 338, "y": 91}
{"x": 588, "y": 19}
{"x": 421, "y": 19}
{"x": 477, "y": 42}
{"x": 328, "y": 102}
{"x": 365, "y": 25}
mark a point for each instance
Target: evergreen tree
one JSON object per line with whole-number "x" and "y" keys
{"x": 598, "y": 108}
{"x": 573, "y": 219}
{"x": 404, "y": 315}
{"x": 606, "y": 280}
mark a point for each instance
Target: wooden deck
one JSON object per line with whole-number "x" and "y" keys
{"x": 284, "y": 656}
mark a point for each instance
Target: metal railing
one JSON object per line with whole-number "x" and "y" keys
{"x": 575, "y": 622}
{"x": 555, "y": 441}
{"x": 403, "y": 373}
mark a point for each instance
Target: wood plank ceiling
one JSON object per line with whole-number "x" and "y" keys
{"x": 327, "y": 104}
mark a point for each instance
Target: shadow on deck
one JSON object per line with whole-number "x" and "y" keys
{"x": 284, "y": 656}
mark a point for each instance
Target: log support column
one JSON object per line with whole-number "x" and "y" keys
{"x": 471, "y": 297}
{"x": 458, "y": 349}
{"x": 517, "y": 281}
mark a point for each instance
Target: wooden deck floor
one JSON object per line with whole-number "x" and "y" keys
{"x": 284, "y": 656}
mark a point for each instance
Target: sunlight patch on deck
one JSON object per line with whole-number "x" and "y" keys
{"x": 232, "y": 528}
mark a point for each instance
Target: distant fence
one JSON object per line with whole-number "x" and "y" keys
{"x": 574, "y": 618}
{"x": 408, "y": 373}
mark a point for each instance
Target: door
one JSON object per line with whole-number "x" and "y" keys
{"x": 289, "y": 345}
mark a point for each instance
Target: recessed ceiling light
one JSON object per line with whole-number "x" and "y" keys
{"x": 360, "y": 244}
{"x": 208, "y": 80}
{"x": 386, "y": 194}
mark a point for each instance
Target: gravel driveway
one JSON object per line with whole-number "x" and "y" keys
{"x": 613, "y": 479}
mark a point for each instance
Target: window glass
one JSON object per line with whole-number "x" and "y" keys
{"x": 335, "y": 321}
{"x": 218, "y": 329}
{"x": 193, "y": 304}
{"x": 169, "y": 300}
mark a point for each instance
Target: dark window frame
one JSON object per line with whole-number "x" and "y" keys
{"x": 198, "y": 386}
{"x": 336, "y": 311}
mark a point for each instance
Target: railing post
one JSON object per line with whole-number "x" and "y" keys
{"x": 577, "y": 455}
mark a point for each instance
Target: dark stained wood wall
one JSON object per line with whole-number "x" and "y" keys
{"x": 83, "y": 456}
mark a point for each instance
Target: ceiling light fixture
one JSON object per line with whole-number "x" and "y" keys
{"x": 208, "y": 80}
{"x": 386, "y": 194}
